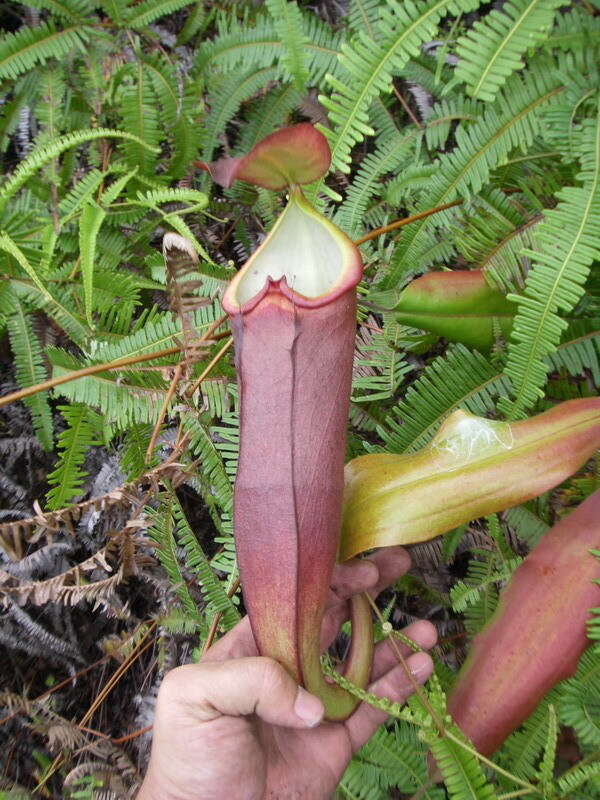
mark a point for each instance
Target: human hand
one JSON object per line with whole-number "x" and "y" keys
{"x": 237, "y": 726}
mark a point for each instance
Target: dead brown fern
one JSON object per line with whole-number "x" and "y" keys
{"x": 181, "y": 262}
{"x": 126, "y": 496}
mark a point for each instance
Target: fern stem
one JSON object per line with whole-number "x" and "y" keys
{"x": 162, "y": 413}
{"x": 95, "y": 368}
{"x": 400, "y": 223}
{"x": 489, "y": 763}
{"x": 407, "y": 108}
{"x": 214, "y": 625}
{"x": 209, "y": 366}
{"x": 439, "y": 723}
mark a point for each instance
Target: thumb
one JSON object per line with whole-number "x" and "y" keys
{"x": 240, "y": 687}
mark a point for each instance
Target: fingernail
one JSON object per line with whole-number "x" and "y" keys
{"x": 308, "y": 708}
{"x": 421, "y": 666}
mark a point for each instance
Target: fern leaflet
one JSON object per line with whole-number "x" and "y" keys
{"x": 512, "y": 122}
{"x": 369, "y": 65}
{"x": 289, "y": 27}
{"x": 90, "y": 221}
{"x": 569, "y": 235}
{"x": 83, "y": 431}
{"x": 21, "y": 51}
{"x": 42, "y": 155}
{"x": 142, "y": 14}
{"x": 29, "y": 370}
{"x": 494, "y": 46}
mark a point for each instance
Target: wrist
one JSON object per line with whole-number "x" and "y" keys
{"x": 152, "y": 789}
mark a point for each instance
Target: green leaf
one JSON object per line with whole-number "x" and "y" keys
{"x": 45, "y": 153}
{"x": 48, "y": 301}
{"x": 84, "y": 431}
{"x": 30, "y": 370}
{"x": 462, "y": 773}
{"x": 28, "y": 47}
{"x": 368, "y": 65}
{"x": 140, "y": 15}
{"x": 495, "y": 45}
{"x": 289, "y": 27}
{"x": 90, "y": 221}
{"x": 567, "y": 243}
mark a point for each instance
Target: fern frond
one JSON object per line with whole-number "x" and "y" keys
{"x": 528, "y": 526}
{"x": 84, "y": 431}
{"x": 363, "y": 16}
{"x": 466, "y": 594}
{"x": 139, "y": 111}
{"x": 546, "y": 770}
{"x": 512, "y": 122}
{"x": 580, "y": 699}
{"x": 140, "y": 15}
{"x": 83, "y": 190}
{"x": 399, "y": 757}
{"x": 225, "y": 99}
{"x": 45, "y": 299}
{"x": 163, "y": 77}
{"x": 462, "y": 774}
{"x": 162, "y": 532}
{"x": 195, "y": 22}
{"x": 23, "y": 50}
{"x": 388, "y": 158}
{"x": 290, "y": 29}
{"x": 213, "y": 589}
{"x": 579, "y": 352}
{"x": 446, "y": 112}
{"x": 268, "y": 114}
{"x": 42, "y": 155}
{"x": 567, "y": 784}
{"x": 30, "y": 369}
{"x": 379, "y": 367}
{"x": 459, "y": 379}
{"x": 132, "y": 457}
{"x": 521, "y": 751}
{"x": 577, "y": 30}
{"x": 494, "y": 47}
{"x": 360, "y": 782}
{"x": 368, "y": 66}
{"x": 216, "y": 483}
{"x": 71, "y": 10}
{"x": 123, "y": 399}
{"x": 90, "y": 222}
{"x": 242, "y": 45}
{"x": 569, "y": 235}
{"x": 49, "y": 110}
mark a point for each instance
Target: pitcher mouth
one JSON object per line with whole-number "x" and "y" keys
{"x": 305, "y": 256}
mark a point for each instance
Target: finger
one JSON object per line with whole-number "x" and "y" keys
{"x": 374, "y": 574}
{"x": 422, "y": 633}
{"x": 395, "y": 686}
{"x": 238, "y": 688}
{"x": 238, "y": 643}
{"x": 391, "y": 564}
{"x": 352, "y": 577}
{"x": 358, "y": 575}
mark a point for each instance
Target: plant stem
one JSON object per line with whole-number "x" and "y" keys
{"x": 400, "y": 223}
{"x": 95, "y": 368}
{"x": 163, "y": 411}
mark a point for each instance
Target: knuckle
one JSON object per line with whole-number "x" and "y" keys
{"x": 275, "y": 679}
{"x": 174, "y": 682}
